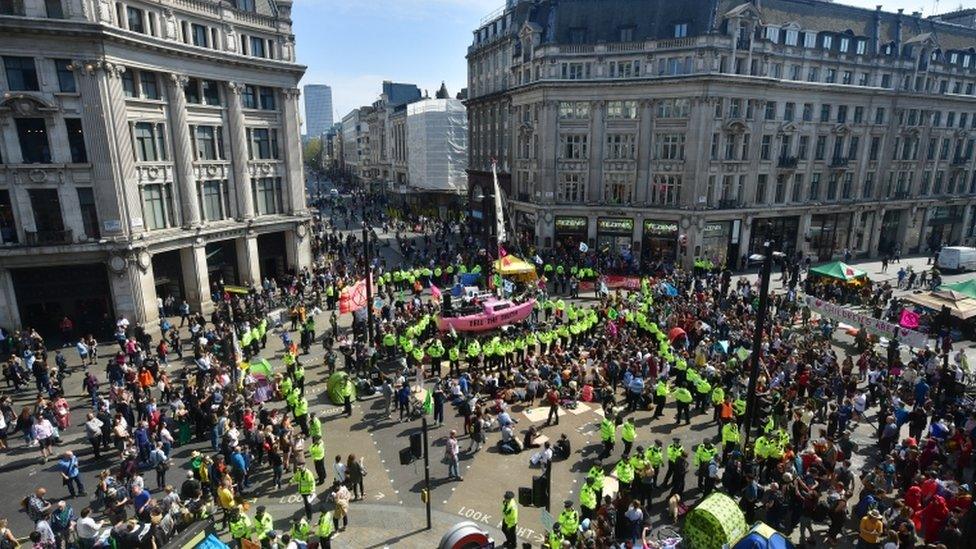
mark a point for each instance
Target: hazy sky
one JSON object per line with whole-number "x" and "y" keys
{"x": 353, "y": 45}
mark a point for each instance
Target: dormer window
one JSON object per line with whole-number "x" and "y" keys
{"x": 827, "y": 41}
{"x": 680, "y": 30}
{"x": 577, "y": 35}
{"x": 845, "y": 44}
{"x": 772, "y": 34}
{"x": 627, "y": 34}
{"x": 809, "y": 40}
{"x": 792, "y": 37}
{"x": 861, "y": 47}
{"x": 246, "y": 5}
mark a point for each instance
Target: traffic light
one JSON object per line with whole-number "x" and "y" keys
{"x": 540, "y": 491}
{"x": 416, "y": 445}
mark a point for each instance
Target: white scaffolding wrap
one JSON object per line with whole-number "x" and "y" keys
{"x": 437, "y": 145}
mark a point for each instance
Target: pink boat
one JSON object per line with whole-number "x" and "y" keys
{"x": 495, "y": 314}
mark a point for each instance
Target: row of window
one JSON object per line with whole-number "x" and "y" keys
{"x": 35, "y": 147}
{"x": 22, "y": 75}
{"x": 618, "y": 188}
{"x": 665, "y": 189}
{"x": 159, "y": 210}
{"x": 208, "y": 142}
{"x": 148, "y": 22}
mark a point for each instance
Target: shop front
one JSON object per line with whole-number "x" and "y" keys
{"x": 569, "y": 231}
{"x": 830, "y": 235}
{"x": 781, "y": 231}
{"x": 890, "y": 223}
{"x": 720, "y": 242}
{"x": 615, "y": 235}
{"x": 944, "y": 227}
{"x": 660, "y": 242}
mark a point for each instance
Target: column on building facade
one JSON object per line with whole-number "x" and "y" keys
{"x": 110, "y": 152}
{"x": 248, "y": 263}
{"x": 802, "y": 232}
{"x": 238, "y": 149}
{"x": 549, "y": 140}
{"x": 71, "y": 210}
{"x": 967, "y": 215}
{"x": 196, "y": 278}
{"x": 745, "y": 235}
{"x": 134, "y": 292}
{"x": 696, "y": 152}
{"x": 875, "y": 237}
{"x": 183, "y": 150}
{"x": 851, "y": 243}
{"x": 298, "y": 247}
{"x": 644, "y": 153}
{"x": 294, "y": 179}
{"x": 598, "y": 127}
{"x": 9, "y": 314}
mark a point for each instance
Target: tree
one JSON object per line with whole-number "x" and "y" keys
{"x": 312, "y": 152}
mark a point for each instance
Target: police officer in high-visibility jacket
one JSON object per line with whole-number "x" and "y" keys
{"x": 588, "y": 499}
{"x": 240, "y": 526}
{"x": 655, "y": 456}
{"x": 625, "y": 474}
{"x": 263, "y": 525}
{"x": 596, "y": 475}
{"x": 628, "y": 434}
{"x": 325, "y": 530}
{"x": 569, "y": 522}
{"x": 608, "y": 435}
{"x": 730, "y": 438}
{"x": 509, "y": 519}
{"x": 306, "y": 487}
{"x": 317, "y": 452}
{"x": 683, "y": 399}
{"x": 674, "y": 452}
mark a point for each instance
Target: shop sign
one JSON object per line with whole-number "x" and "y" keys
{"x": 661, "y": 228}
{"x": 570, "y": 223}
{"x": 616, "y": 225}
{"x": 716, "y": 229}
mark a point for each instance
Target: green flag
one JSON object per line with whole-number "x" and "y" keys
{"x": 428, "y": 404}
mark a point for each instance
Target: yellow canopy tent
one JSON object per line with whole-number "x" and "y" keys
{"x": 515, "y": 267}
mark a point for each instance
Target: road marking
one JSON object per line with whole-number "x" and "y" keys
{"x": 380, "y": 495}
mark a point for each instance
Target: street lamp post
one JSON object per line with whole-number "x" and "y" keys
{"x": 765, "y": 272}
{"x": 368, "y": 264}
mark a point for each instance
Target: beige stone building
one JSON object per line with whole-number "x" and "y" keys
{"x": 702, "y": 128}
{"x": 147, "y": 150}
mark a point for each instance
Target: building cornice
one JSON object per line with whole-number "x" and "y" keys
{"x": 61, "y": 28}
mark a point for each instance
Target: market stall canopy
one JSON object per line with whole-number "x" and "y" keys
{"x": 960, "y": 305}
{"x": 714, "y": 523}
{"x": 514, "y": 266}
{"x": 838, "y": 270}
{"x": 763, "y": 536}
{"x": 966, "y": 287}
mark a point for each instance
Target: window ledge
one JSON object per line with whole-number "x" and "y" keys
{"x": 67, "y": 94}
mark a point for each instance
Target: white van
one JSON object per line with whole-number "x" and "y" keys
{"x": 957, "y": 258}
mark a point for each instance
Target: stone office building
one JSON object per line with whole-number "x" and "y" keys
{"x": 147, "y": 149}
{"x": 702, "y": 128}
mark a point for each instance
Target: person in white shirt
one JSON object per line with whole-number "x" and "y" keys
{"x": 87, "y": 529}
{"x": 340, "y": 469}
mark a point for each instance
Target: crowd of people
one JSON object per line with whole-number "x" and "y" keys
{"x": 676, "y": 349}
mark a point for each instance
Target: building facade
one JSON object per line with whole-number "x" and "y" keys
{"x": 147, "y": 150}
{"x": 318, "y": 109}
{"x": 705, "y": 128}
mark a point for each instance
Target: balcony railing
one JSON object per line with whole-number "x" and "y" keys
{"x": 902, "y": 195}
{"x": 742, "y": 43}
{"x": 839, "y": 162}
{"x": 961, "y": 160}
{"x": 48, "y": 238}
{"x": 787, "y": 162}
